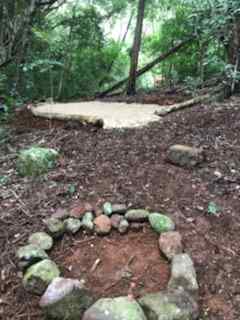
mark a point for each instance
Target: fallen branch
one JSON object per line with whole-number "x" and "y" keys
{"x": 148, "y": 67}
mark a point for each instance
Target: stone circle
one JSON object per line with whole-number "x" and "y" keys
{"x": 69, "y": 299}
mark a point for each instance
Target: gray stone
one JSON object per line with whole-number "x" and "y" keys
{"x": 161, "y": 223}
{"x": 65, "y": 299}
{"x": 61, "y": 214}
{"x": 29, "y": 255}
{"x": 119, "y": 208}
{"x": 36, "y": 161}
{"x": 115, "y": 220}
{"x": 170, "y": 243}
{"x": 107, "y": 208}
{"x": 103, "y": 225}
{"x": 183, "y": 274}
{"x": 123, "y": 226}
{"x": 72, "y": 225}
{"x": 55, "y": 227}
{"x": 87, "y": 221}
{"x": 38, "y": 276}
{"x": 185, "y": 156}
{"x": 42, "y": 240}
{"x": 169, "y": 305}
{"x": 137, "y": 215}
{"x": 122, "y": 308}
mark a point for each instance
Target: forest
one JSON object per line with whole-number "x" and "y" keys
{"x": 119, "y": 159}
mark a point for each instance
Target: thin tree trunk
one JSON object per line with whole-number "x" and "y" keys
{"x": 148, "y": 66}
{"x": 131, "y": 88}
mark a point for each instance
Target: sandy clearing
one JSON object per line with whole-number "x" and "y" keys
{"x": 114, "y": 115}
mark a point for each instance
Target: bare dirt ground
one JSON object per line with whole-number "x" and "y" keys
{"x": 129, "y": 166}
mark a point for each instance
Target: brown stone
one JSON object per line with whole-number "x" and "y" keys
{"x": 80, "y": 209}
{"x": 61, "y": 214}
{"x": 115, "y": 220}
{"x": 103, "y": 225}
{"x": 170, "y": 244}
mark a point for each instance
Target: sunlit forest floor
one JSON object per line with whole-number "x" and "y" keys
{"x": 130, "y": 166}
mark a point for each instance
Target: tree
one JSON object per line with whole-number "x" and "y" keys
{"x": 131, "y": 88}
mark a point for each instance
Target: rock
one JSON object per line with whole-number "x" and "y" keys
{"x": 169, "y": 305}
{"x": 39, "y": 275}
{"x": 61, "y": 214}
{"x": 102, "y": 225}
{"x": 79, "y": 210}
{"x": 115, "y": 220}
{"x": 161, "y": 223}
{"x": 170, "y": 244}
{"x": 87, "y": 221}
{"x": 119, "y": 208}
{"x": 121, "y": 308}
{"x": 123, "y": 226}
{"x": 41, "y": 240}
{"x": 36, "y": 161}
{"x": 29, "y": 255}
{"x": 65, "y": 299}
{"x": 185, "y": 156}
{"x": 107, "y": 208}
{"x": 183, "y": 274}
{"x": 72, "y": 225}
{"x": 55, "y": 227}
{"x": 137, "y": 215}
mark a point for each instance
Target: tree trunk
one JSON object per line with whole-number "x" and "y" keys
{"x": 148, "y": 66}
{"x": 131, "y": 88}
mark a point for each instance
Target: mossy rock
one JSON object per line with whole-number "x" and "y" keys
{"x": 161, "y": 223}
{"x": 36, "y": 161}
{"x": 30, "y": 254}
{"x": 38, "y": 276}
{"x": 42, "y": 240}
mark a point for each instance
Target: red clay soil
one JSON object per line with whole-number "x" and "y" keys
{"x": 130, "y": 166}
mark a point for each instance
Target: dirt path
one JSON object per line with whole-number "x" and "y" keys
{"x": 114, "y": 114}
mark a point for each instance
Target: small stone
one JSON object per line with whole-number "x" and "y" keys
{"x": 60, "y": 214}
{"x": 55, "y": 227}
{"x": 79, "y": 210}
{"x": 29, "y": 255}
{"x": 123, "y": 226}
{"x": 121, "y": 308}
{"x": 119, "y": 208}
{"x": 137, "y": 215}
{"x": 185, "y": 156}
{"x": 115, "y": 220}
{"x": 87, "y": 221}
{"x": 36, "y": 161}
{"x": 183, "y": 274}
{"x": 65, "y": 299}
{"x": 41, "y": 240}
{"x": 161, "y": 223}
{"x": 72, "y": 225}
{"x": 170, "y": 244}
{"x": 170, "y": 305}
{"x": 107, "y": 208}
{"x": 102, "y": 225}
{"x": 39, "y": 275}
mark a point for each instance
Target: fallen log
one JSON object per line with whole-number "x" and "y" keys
{"x": 147, "y": 67}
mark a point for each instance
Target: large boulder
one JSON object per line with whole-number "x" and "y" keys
{"x": 169, "y": 305}
{"x": 36, "y": 161}
{"x": 38, "y": 276}
{"x": 103, "y": 225}
{"x": 170, "y": 244}
{"x": 185, "y": 156}
{"x": 65, "y": 299}
{"x": 30, "y": 254}
{"x": 137, "y": 215}
{"x": 42, "y": 240}
{"x": 161, "y": 223}
{"x": 122, "y": 308}
{"x": 183, "y": 274}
